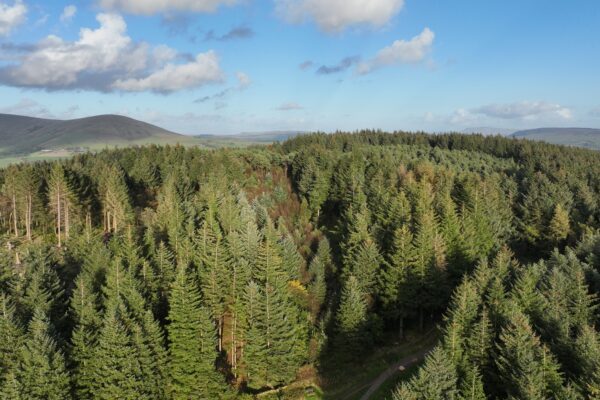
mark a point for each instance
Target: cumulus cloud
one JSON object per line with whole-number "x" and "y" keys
{"x": 11, "y": 16}
{"x": 401, "y": 52}
{"x": 526, "y": 110}
{"x": 339, "y": 67}
{"x": 291, "y": 106}
{"x": 336, "y": 15}
{"x": 204, "y": 69}
{"x": 106, "y": 59}
{"x": 148, "y": 7}
{"x": 68, "y": 13}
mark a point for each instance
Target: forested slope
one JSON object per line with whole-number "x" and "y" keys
{"x": 166, "y": 272}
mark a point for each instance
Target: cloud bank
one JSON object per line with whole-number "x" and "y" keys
{"x": 336, "y": 15}
{"x": 107, "y": 59}
{"x": 526, "y": 110}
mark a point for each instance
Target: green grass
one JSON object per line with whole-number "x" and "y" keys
{"x": 208, "y": 143}
{"x": 351, "y": 381}
{"x": 386, "y": 390}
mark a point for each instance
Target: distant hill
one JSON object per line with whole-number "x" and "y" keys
{"x": 26, "y": 135}
{"x": 488, "y": 131}
{"x": 580, "y": 137}
{"x": 255, "y": 137}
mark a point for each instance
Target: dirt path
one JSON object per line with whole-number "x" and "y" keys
{"x": 400, "y": 366}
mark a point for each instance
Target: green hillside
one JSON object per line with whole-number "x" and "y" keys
{"x": 579, "y": 137}
{"x": 31, "y": 139}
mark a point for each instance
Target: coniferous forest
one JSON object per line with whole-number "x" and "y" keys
{"x": 183, "y": 273}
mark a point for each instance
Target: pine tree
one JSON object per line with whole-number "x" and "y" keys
{"x": 235, "y": 282}
{"x": 397, "y": 282}
{"x": 212, "y": 257}
{"x": 559, "y": 226}
{"x": 42, "y": 372}
{"x": 587, "y": 357}
{"x": 351, "y": 320}
{"x": 11, "y": 337}
{"x": 83, "y": 340}
{"x": 116, "y": 372}
{"x": 192, "y": 343}
{"x": 471, "y": 387}
{"x": 276, "y": 343}
{"x": 114, "y": 196}
{"x": 62, "y": 202}
{"x": 463, "y": 313}
{"x": 10, "y": 387}
{"x": 292, "y": 261}
{"x": 437, "y": 379}
{"x": 318, "y": 285}
{"x": 525, "y": 366}
{"x": 171, "y": 212}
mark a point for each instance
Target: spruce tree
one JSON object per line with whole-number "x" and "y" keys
{"x": 351, "y": 320}
{"x": 192, "y": 343}
{"x": 526, "y": 367}
{"x": 10, "y": 387}
{"x": 437, "y": 379}
{"x": 116, "y": 371}
{"x": 559, "y": 226}
{"x": 83, "y": 339}
{"x": 211, "y": 264}
{"x": 397, "y": 286}
{"x": 42, "y": 373}
{"x": 277, "y": 336}
{"x": 11, "y": 337}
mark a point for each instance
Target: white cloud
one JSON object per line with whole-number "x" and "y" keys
{"x": 290, "y": 107}
{"x": 401, "y": 52}
{"x": 11, "y": 16}
{"x": 147, "y": 7}
{"x": 243, "y": 79}
{"x": 595, "y": 112}
{"x": 68, "y": 13}
{"x": 336, "y": 15}
{"x": 526, "y": 110}
{"x": 55, "y": 63}
{"x": 204, "y": 69}
{"x": 106, "y": 59}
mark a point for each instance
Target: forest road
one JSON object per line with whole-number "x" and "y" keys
{"x": 398, "y": 367}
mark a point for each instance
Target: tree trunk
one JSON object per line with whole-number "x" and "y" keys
{"x": 14, "y": 206}
{"x": 58, "y": 218}
{"x": 234, "y": 346}
{"x": 220, "y": 331}
{"x": 421, "y": 322}
{"x": 401, "y": 329}
{"x": 28, "y": 217}
{"x": 67, "y": 227}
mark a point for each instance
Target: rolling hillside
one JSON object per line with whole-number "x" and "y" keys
{"x": 580, "y": 137}
{"x": 25, "y": 135}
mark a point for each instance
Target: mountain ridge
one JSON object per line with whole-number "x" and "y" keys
{"x": 575, "y": 136}
{"x": 22, "y": 134}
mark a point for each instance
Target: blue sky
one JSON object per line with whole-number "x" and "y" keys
{"x": 229, "y": 66}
